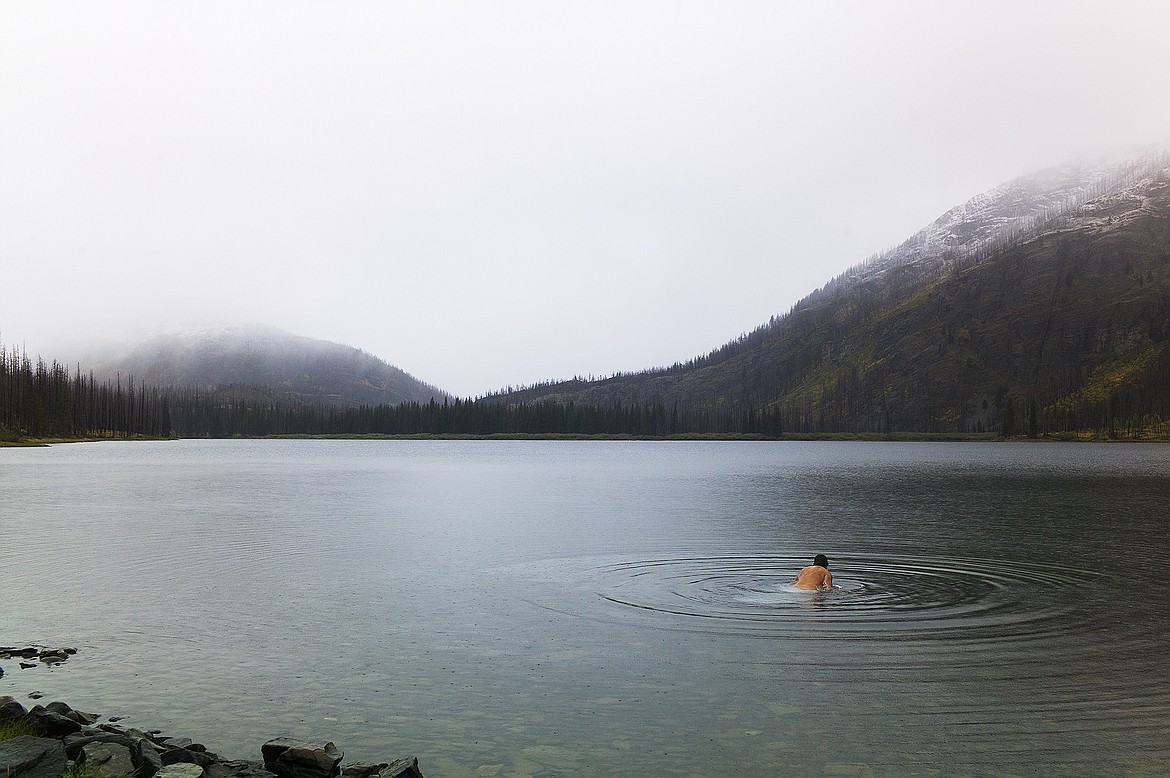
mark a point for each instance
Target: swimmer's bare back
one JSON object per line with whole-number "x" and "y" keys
{"x": 814, "y": 577}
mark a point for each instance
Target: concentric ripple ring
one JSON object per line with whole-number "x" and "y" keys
{"x": 875, "y": 596}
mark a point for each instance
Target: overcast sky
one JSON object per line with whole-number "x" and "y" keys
{"x": 498, "y": 193}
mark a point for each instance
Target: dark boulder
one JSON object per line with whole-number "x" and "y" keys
{"x": 275, "y": 747}
{"x": 69, "y": 713}
{"x": 399, "y": 768}
{"x": 289, "y": 758}
{"x": 407, "y": 767}
{"x": 107, "y": 760}
{"x": 32, "y": 757}
{"x": 52, "y": 724}
{"x": 144, "y": 753}
{"x": 237, "y": 768}
{"x": 182, "y": 755}
{"x": 362, "y": 769}
{"x": 146, "y": 758}
{"x": 10, "y": 708}
{"x": 76, "y": 741}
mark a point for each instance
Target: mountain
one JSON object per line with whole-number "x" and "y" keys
{"x": 239, "y": 360}
{"x": 1041, "y": 305}
{"x": 1010, "y": 212}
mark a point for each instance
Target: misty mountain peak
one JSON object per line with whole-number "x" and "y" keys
{"x": 215, "y": 357}
{"x": 1015, "y": 210}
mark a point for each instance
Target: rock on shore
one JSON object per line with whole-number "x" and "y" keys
{"x": 64, "y": 735}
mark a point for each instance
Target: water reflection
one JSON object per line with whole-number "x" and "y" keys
{"x": 608, "y": 609}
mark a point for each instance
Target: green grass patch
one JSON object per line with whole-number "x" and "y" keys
{"x": 1113, "y": 375}
{"x": 10, "y": 728}
{"x": 14, "y": 442}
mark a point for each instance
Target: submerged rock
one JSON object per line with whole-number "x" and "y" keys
{"x": 50, "y": 656}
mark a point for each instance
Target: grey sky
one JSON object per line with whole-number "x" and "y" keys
{"x": 493, "y": 193}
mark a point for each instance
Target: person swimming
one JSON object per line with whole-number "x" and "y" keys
{"x": 815, "y": 576}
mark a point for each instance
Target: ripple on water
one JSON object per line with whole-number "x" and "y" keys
{"x": 962, "y": 639}
{"x": 875, "y": 596}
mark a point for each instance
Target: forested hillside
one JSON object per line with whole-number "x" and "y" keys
{"x": 1040, "y": 307}
{"x": 44, "y": 400}
{"x": 1043, "y": 306}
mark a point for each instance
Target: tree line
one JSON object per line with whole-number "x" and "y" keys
{"x": 47, "y": 400}
{"x": 42, "y": 400}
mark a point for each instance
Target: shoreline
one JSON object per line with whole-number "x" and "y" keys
{"x": 813, "y": 437}
{"x": 58, "y": 741}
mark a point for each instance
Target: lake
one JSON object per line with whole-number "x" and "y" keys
{"x": 542, "y": 608}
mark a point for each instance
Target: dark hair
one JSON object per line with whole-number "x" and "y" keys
{"x": 821, "y": 560}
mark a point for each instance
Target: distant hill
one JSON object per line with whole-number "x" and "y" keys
{"x": 240, "y": 361}
{"x": 1041, "y": 305}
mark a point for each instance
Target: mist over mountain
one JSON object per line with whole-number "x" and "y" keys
{"x": 1042, "y": 304}
{"x": 1011, "y": 212}
{"x": 240, "y": 359}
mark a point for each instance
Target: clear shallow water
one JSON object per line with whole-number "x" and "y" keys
{"x": 607, "y": 608}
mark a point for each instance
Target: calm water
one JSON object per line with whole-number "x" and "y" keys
{"x": 532, "y": 608}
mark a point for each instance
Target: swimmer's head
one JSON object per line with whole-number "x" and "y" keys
{"x": 820, "y": 560}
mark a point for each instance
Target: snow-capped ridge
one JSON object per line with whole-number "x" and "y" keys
{"x": 1013, "y": 211}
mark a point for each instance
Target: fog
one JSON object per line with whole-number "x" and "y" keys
{"x": 492, "y": 194}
